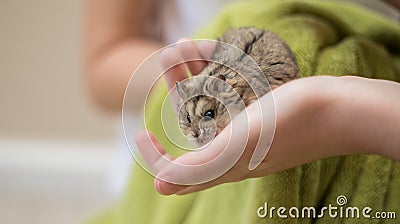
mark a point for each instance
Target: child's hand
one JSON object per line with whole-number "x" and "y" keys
{"x": 299, "y": 114}
{"x": 316, "y": 118}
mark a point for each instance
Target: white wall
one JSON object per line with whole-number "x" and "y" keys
{"x": 56, "y": 149}
{"x": 42, "y": 92}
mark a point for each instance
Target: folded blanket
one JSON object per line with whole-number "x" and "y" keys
{"x": 327, "y": 38}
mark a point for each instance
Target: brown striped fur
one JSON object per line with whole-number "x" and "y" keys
{"x": 233, "y": 80}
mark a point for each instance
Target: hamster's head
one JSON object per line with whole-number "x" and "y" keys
{"x": 206, "y": 107}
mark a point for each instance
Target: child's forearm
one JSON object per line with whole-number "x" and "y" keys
{"x": 366, "y": 117}
{"x": 116, "y": 42}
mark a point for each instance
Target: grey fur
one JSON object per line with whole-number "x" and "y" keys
{"x": 245, "y": 80}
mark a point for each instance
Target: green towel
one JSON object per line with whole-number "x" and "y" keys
{"x": 327, "y": 38}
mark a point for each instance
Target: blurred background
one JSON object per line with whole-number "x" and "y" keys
{"x": 57, "y": 150}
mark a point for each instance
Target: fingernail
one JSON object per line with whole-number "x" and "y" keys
{"x": 166, "y": 188}
{"x": 157, "y": 186}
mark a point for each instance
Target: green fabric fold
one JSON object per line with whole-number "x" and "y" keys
{"x": 327, "y": 38}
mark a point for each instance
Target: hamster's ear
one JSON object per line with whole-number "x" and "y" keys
{"x": 183, "y": 89}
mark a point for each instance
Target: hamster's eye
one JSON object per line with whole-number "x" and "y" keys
{"x": 209, "y": 113}
{"x": 188, "y": 118}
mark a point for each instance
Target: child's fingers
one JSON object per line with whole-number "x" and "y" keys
{"x": 195, "y": 58}
{"x": 175, "y": 70}
{"x": 191, "y": 55}
{"x": 209, "y": 163}
{"x": 168, "y": 188}
{"x": 152, "y": 151}
{"x": 206, "y": 48}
